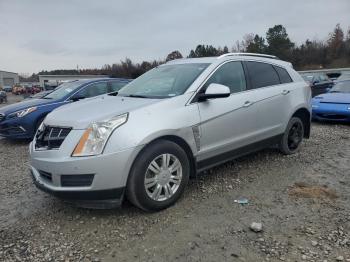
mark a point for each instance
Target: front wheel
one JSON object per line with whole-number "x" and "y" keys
{"x": 292, "y": 137}
{"x": 159, "y": 176}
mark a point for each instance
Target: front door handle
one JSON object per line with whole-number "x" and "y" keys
{"x": 285, "y": 92}
{"x": 247, "y": 103}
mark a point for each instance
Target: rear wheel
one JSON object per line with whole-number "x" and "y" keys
{"x": 159, "y": 176}
{"x": 292, "y": 137}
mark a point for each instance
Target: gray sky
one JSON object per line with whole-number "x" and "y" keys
{"x": 44, "y": 34}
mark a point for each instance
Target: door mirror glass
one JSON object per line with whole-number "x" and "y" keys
{"x": 214, "y": 91}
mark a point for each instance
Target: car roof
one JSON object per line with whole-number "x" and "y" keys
{"x": 91, "y": 80}
{"x": 231, "y": 56}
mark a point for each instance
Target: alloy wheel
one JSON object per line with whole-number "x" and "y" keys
{"x": 163, "y": 177}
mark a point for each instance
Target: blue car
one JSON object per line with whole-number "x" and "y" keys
{"x": 21, "y": 120}
{"x": 334, "y": 105}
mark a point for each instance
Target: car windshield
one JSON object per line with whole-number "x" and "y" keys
{"x": 341, "y": 87}
{"x": 63, "y": 90}
{"x": 343, "y": 77}
{"x": 164, "y": 81}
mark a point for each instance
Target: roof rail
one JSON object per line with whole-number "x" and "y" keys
{"x": 248, "y": 54}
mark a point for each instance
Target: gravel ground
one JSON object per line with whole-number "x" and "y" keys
{"x": 302, "y": 202}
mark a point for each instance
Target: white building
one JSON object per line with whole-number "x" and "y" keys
{"x": 54, "y": 80}
{"x": 8, "y": 79}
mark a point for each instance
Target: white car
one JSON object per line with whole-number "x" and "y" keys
{"x": 178, "y": 119}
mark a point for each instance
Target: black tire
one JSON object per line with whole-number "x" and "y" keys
{"x": 136, "y": 191}
{"x": 292, "y": 137}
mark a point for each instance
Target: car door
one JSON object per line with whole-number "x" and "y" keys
{"x": 226, "y": 123}
{"x": 271, "y": 98}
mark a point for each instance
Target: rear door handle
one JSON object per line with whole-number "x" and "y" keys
{"x": 285, "y": 92}
{"x": 247, "y": 103}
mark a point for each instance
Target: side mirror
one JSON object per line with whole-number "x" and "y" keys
{"x": 315, "y": 82}
{"x": 214, "y": 91}
{"x": 77, "y": 97}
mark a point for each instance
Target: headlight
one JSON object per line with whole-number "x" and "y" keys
{"x": 23, "y": 112}
{"x": 96, "y": 136}
{"x": 314, "y": 106}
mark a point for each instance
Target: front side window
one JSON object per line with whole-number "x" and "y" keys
{"x": 231, "y": 75}
{"x": 164, "y": 81}
{"x": 93, "y": 90}
{"x": 262, "y": 74}
{"x": 116, "y": 85}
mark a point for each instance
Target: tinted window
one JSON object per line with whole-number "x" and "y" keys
{"x": 117, "y": 85}
{"x": 262, "y": 74}
{"x": 283, "y": 74}
{"x": 230, "y": 74}
{"x": 94, "y": 90}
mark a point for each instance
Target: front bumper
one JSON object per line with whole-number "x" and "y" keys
{"x": 17, "y": 128}
{"x": 66, "y": 177}
{"x": 331, "y": 112}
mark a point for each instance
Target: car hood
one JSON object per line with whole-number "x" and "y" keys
{"x": 341, "y": 98}
{"x": 25, "y": 104}
{"x": 80, "y": 115}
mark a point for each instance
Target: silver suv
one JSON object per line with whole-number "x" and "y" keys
{"x": 174, "y": 121}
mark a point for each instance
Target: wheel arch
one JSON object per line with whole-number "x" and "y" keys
{"x": 180, "y": 142}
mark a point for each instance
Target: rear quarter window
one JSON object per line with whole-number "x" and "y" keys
{"x": 283, "y": 75}
{"x": 262, "y": 74}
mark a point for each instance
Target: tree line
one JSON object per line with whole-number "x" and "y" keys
{"x": 312, "y": 54}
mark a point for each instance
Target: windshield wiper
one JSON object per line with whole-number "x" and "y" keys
{"x": 334, "y": 91}
{"x": 138, "y": 96}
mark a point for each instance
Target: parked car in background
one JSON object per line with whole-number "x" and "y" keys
{"x": 22, "y": 119}
{"x": 7, "y": 88}
{"x": 180, "y": 118}
{"x": 320, "y": 83}
{"x": 18, "y": 90}
{"x": 334, "y": 105}
{"x": 3, "y": 96}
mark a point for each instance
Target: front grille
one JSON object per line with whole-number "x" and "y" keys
{"x": 76, "y": 180}
{"x": 2, "y": 117}
{"x": 51, "y": 137}
{"x": 45, "y": 175}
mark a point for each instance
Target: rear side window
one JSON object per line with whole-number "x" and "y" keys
{"x": 262, "y": 74}
{"x": 283, "y": 74}
{"x": 231, "y": 75}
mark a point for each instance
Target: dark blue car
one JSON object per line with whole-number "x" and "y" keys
{"x": 334, "y": 105}
{"x": 21, "y": 120}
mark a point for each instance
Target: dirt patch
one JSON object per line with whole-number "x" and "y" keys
{"x": 301, "y": 189}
